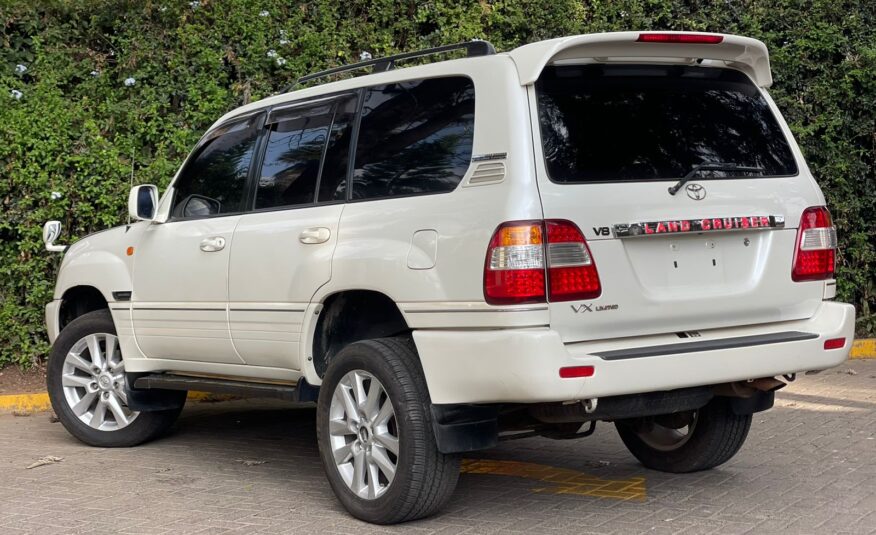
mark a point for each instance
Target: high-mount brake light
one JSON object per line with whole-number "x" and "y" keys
{"x": 529, "y": 261}
{"x": 686, "y": 38}
{"x": 815, "y": 253}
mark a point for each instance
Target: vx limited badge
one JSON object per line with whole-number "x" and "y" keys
{"x": 585, "y": 307}
{"x": 695, "y": 192}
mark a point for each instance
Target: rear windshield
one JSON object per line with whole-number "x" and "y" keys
{"x": 603, "y": 123}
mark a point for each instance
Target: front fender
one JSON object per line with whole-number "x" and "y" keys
{"x": 101, "y": 260}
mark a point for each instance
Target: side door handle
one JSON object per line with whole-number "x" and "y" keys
{"x": 213, "y": 244}
{"x": 314, "y": 235}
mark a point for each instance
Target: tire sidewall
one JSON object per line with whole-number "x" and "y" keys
{"x": 701, "y": 451}
{"x": 145, "y": 426}
{"x": 410, "y": 415}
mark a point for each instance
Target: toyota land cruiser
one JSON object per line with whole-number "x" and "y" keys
{"x": 611, "y": 227}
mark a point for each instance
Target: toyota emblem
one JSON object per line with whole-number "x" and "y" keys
{"x": 695, "y": 192}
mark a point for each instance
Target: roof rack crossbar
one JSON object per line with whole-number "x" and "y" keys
{"x": 472, "y": 48}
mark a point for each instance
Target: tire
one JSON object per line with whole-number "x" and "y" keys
{"x": 424, "y": 478}
{"x": 68, "y": 382}
{"x": 717, "y": 434}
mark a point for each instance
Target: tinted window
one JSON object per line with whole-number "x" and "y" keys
{"x": 294, "y": 150}
{"x": 214, "y": 181}
{"x": 637, "y": 122}
{"x": 333, "y": 182}
{"x": 415, "y": 138}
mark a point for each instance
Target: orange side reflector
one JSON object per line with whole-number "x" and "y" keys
{"x": 130, "y": 251}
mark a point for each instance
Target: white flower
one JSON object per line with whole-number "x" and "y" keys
{"x": 129, "y": 82}
{"x": 284, "y": 41}
{"x": 195, "y": 4}
{"x": 56, "y": 195}
{"x": 16, "y": 94}
{"x": 95, "y": 73}
{"x": 20, "y": 69}
{"x": 272, "y": 53}
{"x": 264, "y": 13}
{"x": 162, "y": 9}
{"x": 364, "y": 56}
{"x": 281, "y": 61}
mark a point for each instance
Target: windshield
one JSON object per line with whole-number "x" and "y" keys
{"x": 604, "y": 123}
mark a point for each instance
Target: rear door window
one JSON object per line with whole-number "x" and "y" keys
{"x": 415, "y": 138}
{"x": 604, "y": 123}
{"x": 291, "y": 166}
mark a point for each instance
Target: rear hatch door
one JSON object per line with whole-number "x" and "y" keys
{"x": 611, "y": 139}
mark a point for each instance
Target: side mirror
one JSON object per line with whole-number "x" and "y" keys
{"x": 51, "y": 231}
{"x": 142, "y": 202}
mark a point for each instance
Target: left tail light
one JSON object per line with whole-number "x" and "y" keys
{"x": 531, "y": 261}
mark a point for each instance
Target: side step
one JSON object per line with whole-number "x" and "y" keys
{"x": 302, "y": 392}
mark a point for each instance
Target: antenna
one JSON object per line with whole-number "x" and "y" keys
{"x": 131, "y": 183}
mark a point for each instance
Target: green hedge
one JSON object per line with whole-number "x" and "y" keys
{"x": 77, "y": 125}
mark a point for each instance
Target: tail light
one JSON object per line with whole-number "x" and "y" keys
{"x": 528, "y": 261}
{"x": 815, "y": 254}
{"x": 571, "y": 270}
{"x": 514, "y": 271}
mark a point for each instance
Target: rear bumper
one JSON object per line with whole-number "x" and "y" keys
{"x": 522, "y": 365}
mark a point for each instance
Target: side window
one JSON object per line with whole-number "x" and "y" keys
{"x": 415, "y": 138}
{"x": 214, "y": 181}
{"x": 333, "y": 182}
{"x": 292, "y": 159}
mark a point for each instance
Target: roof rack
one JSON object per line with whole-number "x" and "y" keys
{"x": 473, "y": 48}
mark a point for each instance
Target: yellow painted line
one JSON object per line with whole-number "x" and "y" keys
{"x": 39, "y": 402}
{"x": 562, "y": 480}
{"x": 865, "y": 348}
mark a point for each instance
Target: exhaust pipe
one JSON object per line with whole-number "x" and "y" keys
{"x": 746, "y": 389}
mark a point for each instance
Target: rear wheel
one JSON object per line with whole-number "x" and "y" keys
{"x": 689, "y": 441}
{"x": 86, "y": 384}
{"x": 375, "y": 434}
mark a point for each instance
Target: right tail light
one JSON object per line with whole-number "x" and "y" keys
{"x": 815, "y": 254}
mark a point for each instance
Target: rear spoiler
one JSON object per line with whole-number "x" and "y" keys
{"x": 743, "y": 53}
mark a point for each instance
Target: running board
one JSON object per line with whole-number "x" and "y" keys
{"x": 302, "y": 392}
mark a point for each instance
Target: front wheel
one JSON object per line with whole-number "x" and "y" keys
{"x": 86, "y": 383}
{"x": 688, "y": 441}
{"x": 375, "y": 434}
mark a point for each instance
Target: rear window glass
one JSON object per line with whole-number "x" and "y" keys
{"x": 644, "y": 122}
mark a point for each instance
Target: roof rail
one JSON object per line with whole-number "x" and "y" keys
{"x": 473, "y": 48}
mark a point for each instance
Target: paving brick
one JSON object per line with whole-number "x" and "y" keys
{"x": 809, "y": 466}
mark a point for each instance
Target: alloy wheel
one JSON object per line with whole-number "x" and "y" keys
{"x": 93, "y": 378}
{"x": 363, "y": 432}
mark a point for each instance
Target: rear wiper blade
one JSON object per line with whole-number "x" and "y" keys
{"x": 717, "y": 166}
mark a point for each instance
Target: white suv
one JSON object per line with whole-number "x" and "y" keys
{"x": 614, "y": 227}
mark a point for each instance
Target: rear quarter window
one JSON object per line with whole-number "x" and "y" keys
{"x": 415, "y": 138}
{"x": 602, "y": 123}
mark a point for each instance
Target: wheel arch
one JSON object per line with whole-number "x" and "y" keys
{"x": 349, "y": 316}
{"x": 79, "y": 300}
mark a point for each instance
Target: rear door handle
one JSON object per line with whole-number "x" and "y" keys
{"x": 213, "y": 244}
{"x": 314, "y": 235}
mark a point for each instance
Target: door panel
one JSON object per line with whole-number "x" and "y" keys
{"x": 180, "y": 291}
{"x": 275, "y": 269}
